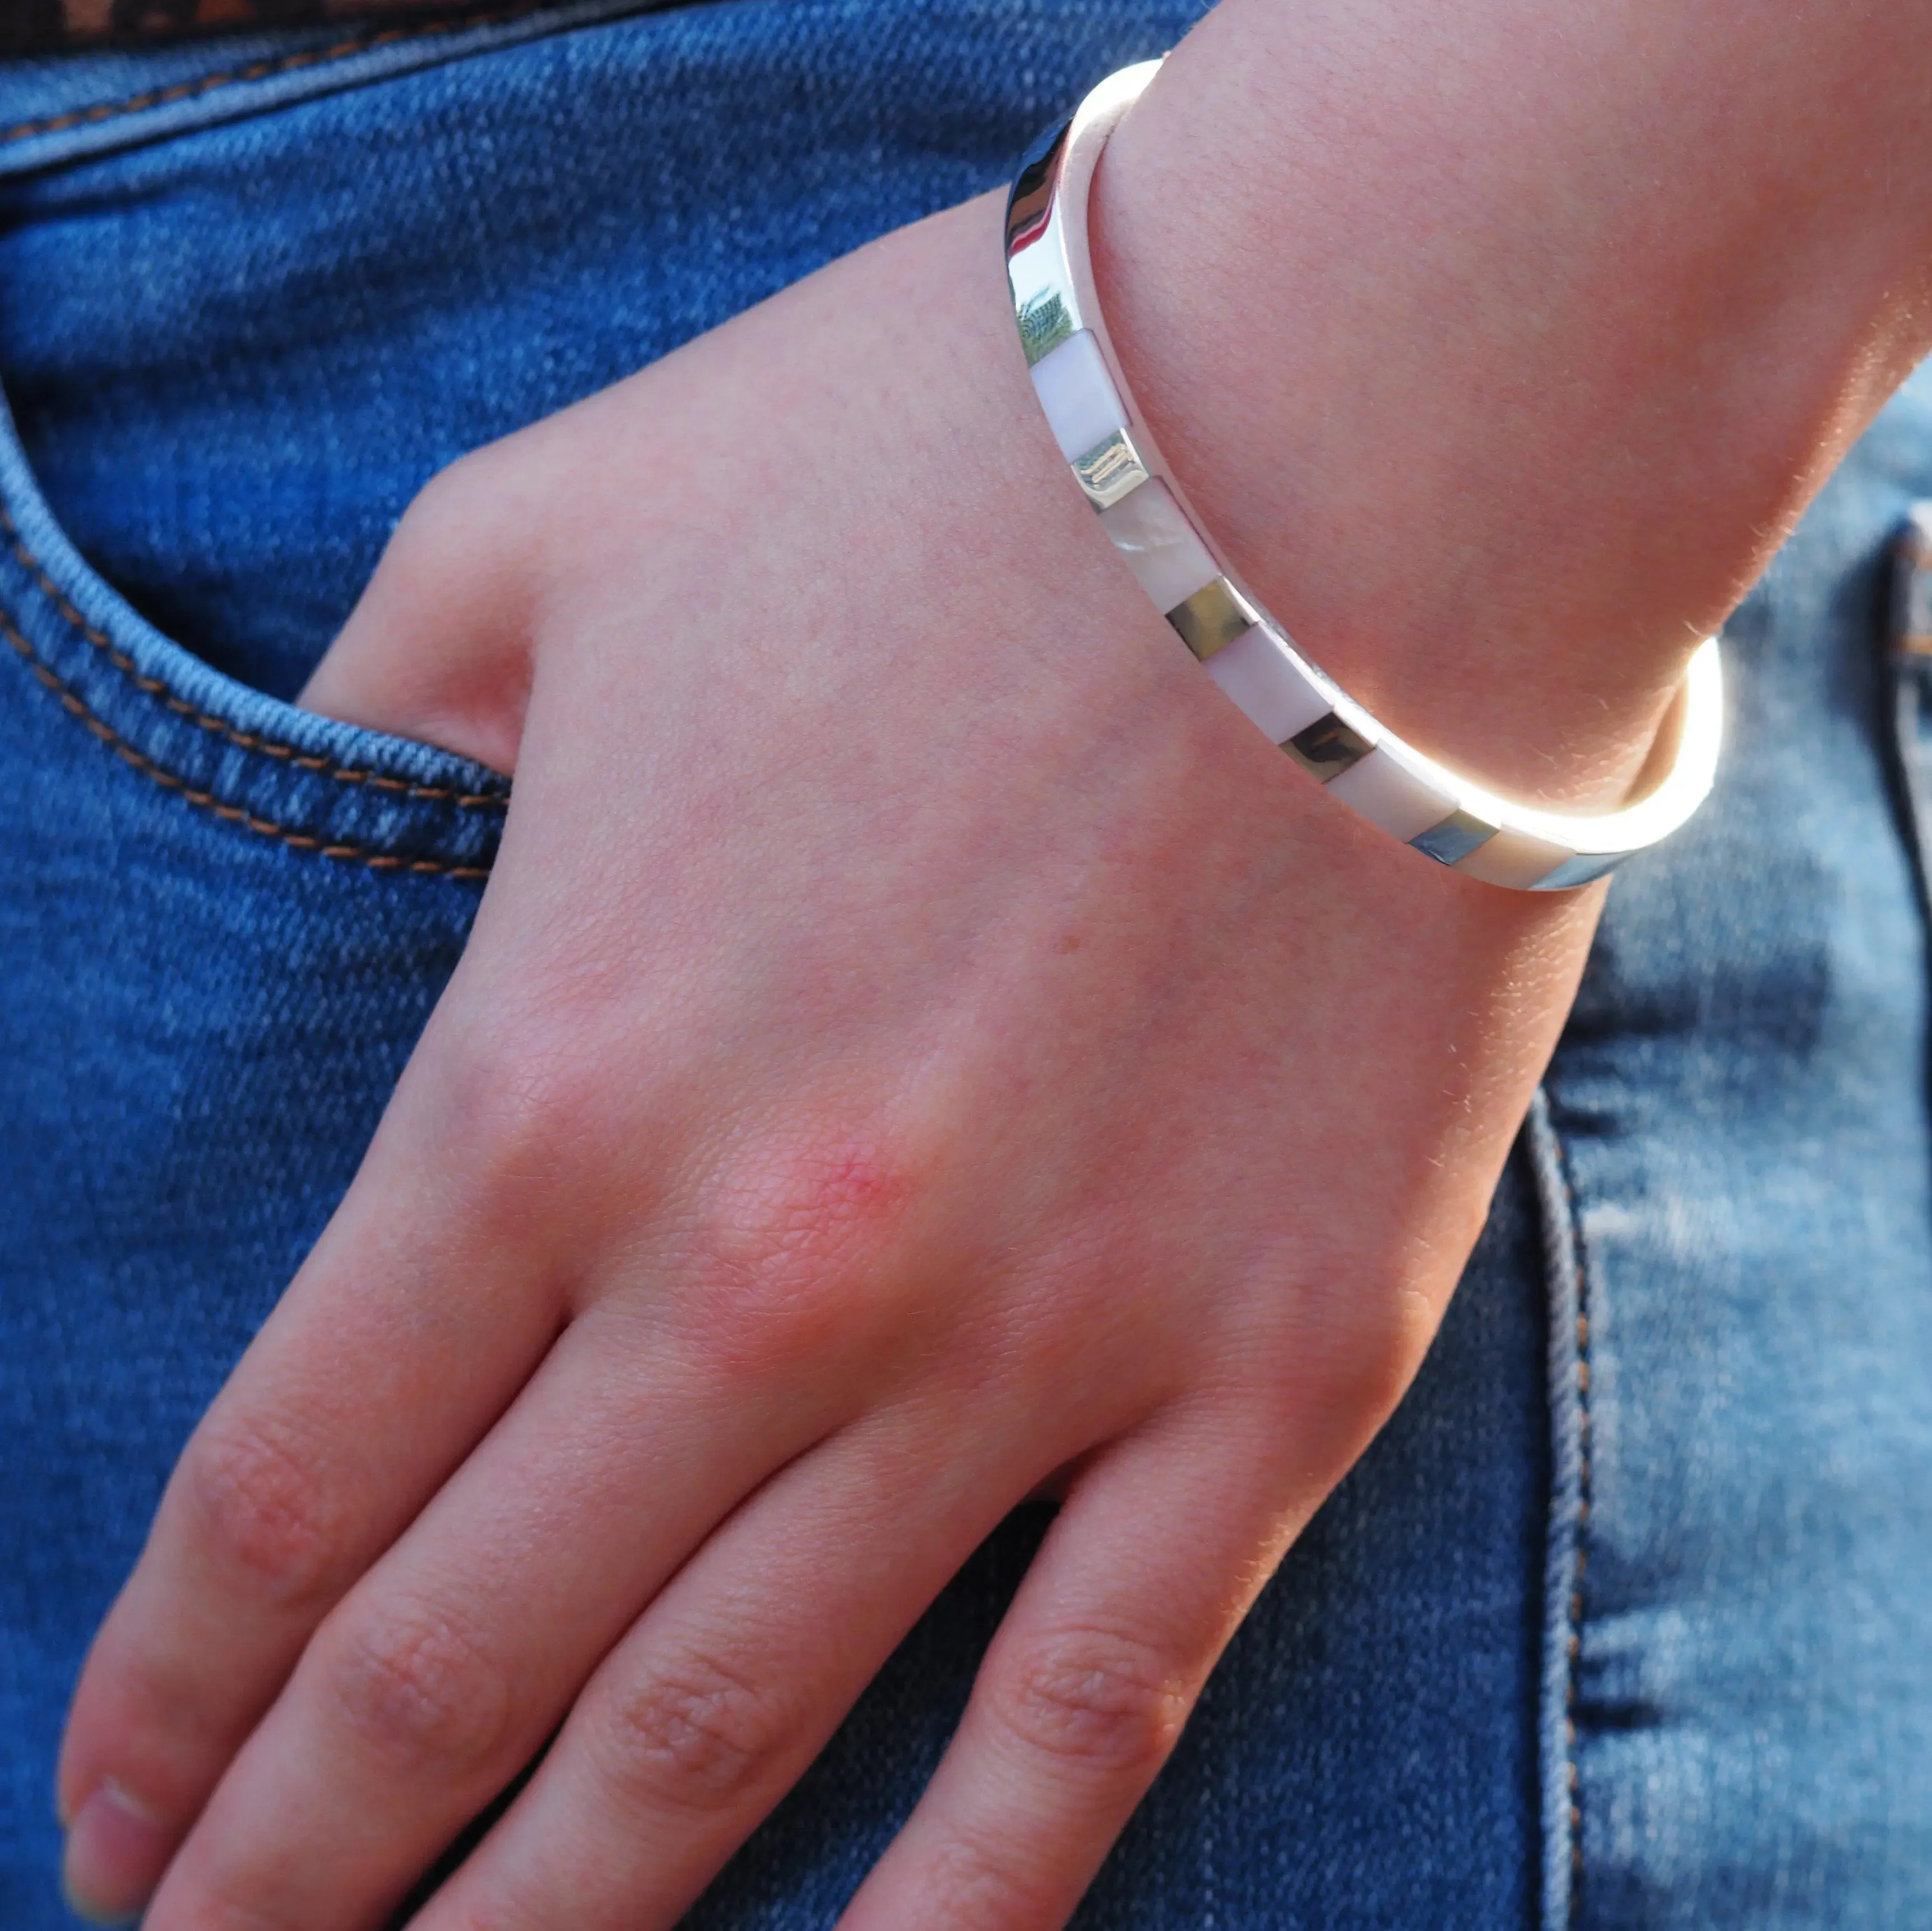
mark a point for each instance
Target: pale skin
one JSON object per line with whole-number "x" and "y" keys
{"x": 919, "y": 1045}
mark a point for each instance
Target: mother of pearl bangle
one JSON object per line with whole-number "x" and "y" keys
{"x": 1077, "y": 376}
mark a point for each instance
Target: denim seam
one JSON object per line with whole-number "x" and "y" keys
{"x": 261, "y": 70}
{"x": 205, "y": 800}
{"x": 1566, "y": 1553}
{"x": 468, "y": 801}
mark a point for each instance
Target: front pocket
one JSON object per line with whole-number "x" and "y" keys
{"x": 320, "y": 788}
{"x": 237, "y": 351}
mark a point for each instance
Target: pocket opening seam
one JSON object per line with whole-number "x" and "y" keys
{"x": 155, "y": 687}
{"x": 72, "y": 702}
{"x": 260, "y": 70}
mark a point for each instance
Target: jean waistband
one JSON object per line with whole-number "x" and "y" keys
{"x": 61, "y": 107}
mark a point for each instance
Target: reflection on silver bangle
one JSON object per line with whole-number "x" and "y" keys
{"x": 1088, "y": 405}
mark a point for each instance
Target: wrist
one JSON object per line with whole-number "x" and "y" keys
{"x": 1500, "y": 424}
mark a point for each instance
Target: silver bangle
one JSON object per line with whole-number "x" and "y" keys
{"x": 1089, "y": 408}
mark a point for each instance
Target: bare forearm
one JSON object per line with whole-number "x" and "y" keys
{"x": 1501, "y": 341}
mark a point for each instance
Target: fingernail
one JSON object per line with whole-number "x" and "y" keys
{"x": 115, "y": 1855}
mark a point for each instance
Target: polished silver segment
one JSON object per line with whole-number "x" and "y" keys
{"x": 1119, "y": 466}
{"x": 1040, "y": 299}
{"x": 1044, "y": 324}
{"x": 1327, "y": 747}
{"x": 1213, "y": 618}
{"x": 1110, "y": 470}
{"x": 1454, "y": 838}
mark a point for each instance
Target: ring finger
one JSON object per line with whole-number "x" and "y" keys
{"x": 1161, "y": 1546}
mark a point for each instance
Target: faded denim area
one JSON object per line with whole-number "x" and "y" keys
{"x": 1626, "y": 1621}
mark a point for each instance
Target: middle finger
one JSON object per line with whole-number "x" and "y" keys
{"x": 720, "y": 1695}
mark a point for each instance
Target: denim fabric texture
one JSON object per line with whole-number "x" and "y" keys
{"x": 1626, "y": 1619}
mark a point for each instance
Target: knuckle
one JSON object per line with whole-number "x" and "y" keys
{"x": 1341, "y": 1359}
{"x": 1095, "y": 1697}
{"x": 696, "y": 1734}
{"x": 1379, "y": 1338}
{"x": 418, "y": 1692}
{"x": 796, "y": 1247}
{"x": 260, "y": 1509}
{"x": 1381, "y": 1365}
{"x": 522, "y": 1100}
{"x": 971, "y": 1886}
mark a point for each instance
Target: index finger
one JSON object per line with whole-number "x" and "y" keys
{"x": 366, "y": 1388}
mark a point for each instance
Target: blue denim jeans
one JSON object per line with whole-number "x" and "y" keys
{"x": 1625, "y": 1619}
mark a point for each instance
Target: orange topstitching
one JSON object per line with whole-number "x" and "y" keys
{"x": 378, "y": 861}
{"x": 474, "y": 801}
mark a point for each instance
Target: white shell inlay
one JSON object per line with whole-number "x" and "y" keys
{"x": 1386, "y": 795}
{"x": 1083, "y": 407}
{"x": 1264, "y": 681}
{"x": 1160, "y": 544}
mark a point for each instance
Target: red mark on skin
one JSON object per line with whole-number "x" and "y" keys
{"x": 801, "y": 1243}
{"x": 812, "y": 1202}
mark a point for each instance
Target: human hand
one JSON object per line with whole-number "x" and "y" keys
{"x": 919, "y": 1042}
